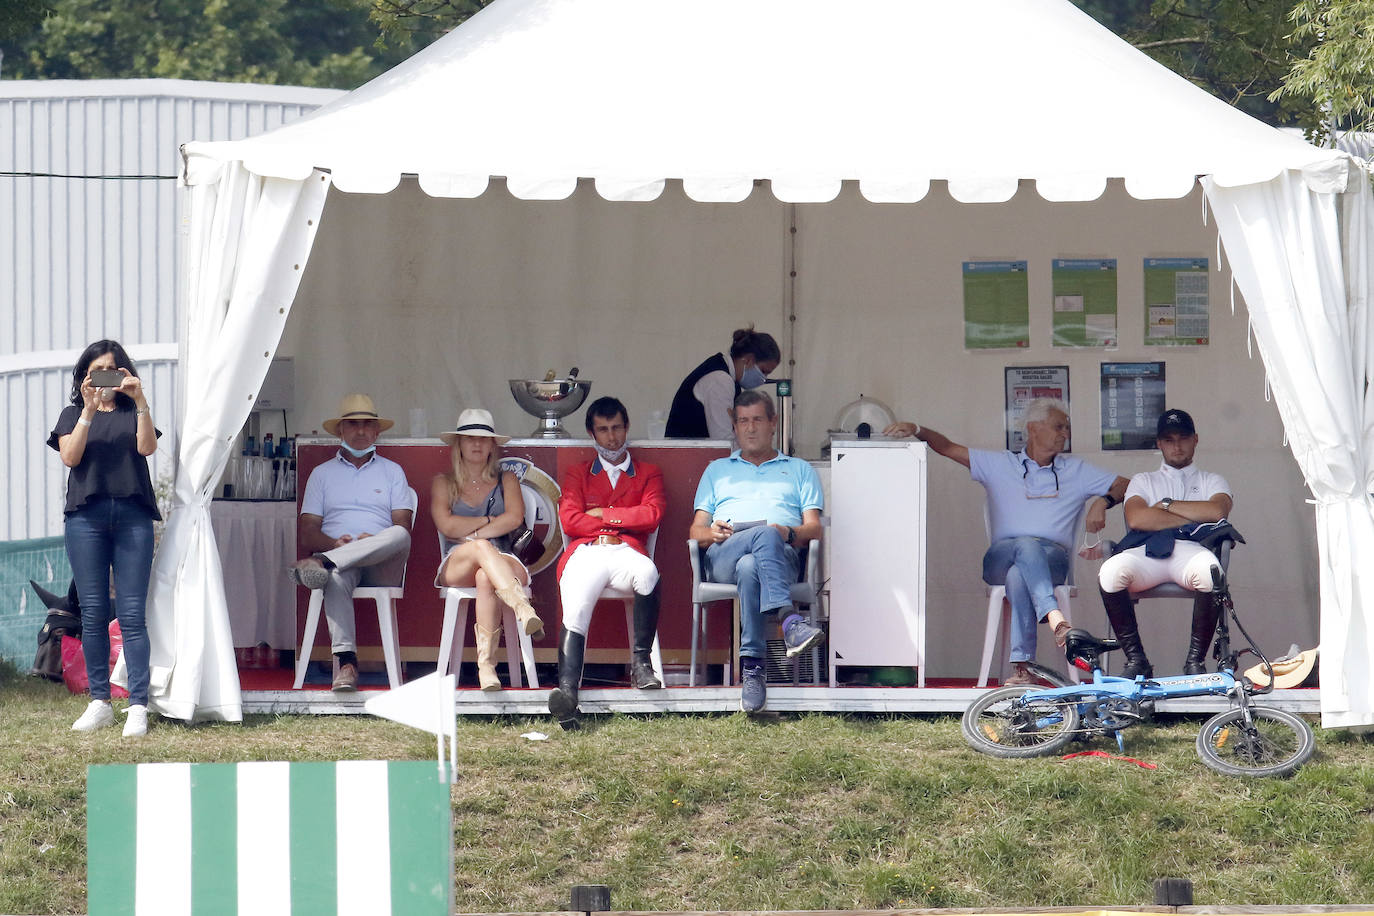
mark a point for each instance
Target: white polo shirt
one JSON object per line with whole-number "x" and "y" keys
{"x": 1190, "y": 483}
{"x": 354, "y": 500}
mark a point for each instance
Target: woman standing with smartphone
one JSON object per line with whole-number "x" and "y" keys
{"x": 105, "y": 436}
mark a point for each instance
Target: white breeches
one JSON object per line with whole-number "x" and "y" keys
{"x": 595, "y": 567}
{"x": 1190, "y": 566}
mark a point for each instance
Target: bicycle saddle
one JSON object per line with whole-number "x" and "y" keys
{"x": 1082, "y": 644}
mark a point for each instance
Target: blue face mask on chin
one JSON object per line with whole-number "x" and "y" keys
{"x": 752, "y": 377}
{"x": 358, "y": 452}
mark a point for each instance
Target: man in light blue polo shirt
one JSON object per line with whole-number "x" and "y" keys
{"x": 355, "y": 522}
{"x": 1035, "y": 497}
{"x": 754, "y": 509}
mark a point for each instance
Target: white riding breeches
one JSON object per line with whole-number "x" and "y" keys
{"x": 595, "y": 567}
{"x": 1189, "y": 565}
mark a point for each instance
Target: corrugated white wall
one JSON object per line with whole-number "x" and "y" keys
{"x": 87, "y": 254}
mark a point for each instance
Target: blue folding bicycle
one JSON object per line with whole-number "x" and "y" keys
{"x": 1245, "y": 740}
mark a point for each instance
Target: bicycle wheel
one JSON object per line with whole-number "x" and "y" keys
{"x": 1275, "y": 744}
{"x": 998, "y": 725}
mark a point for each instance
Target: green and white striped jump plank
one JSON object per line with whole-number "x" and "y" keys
{"x": 295, "y": 839}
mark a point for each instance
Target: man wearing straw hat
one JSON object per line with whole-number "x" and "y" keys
{"x": 355, "y": 522}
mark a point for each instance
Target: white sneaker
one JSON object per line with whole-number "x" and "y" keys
{"x": 136, "y": 721}
{"x": 97, "y": 715}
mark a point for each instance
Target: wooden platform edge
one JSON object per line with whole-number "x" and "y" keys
{"x": 901, "y": 700}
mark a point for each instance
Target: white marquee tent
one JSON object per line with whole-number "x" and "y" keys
{"x": 887, "y": 94}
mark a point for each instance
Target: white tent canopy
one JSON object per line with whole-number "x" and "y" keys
{"x": 891, "y": 94}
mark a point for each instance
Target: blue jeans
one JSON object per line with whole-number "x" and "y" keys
{"x": 112, "y": 534}
{"x": 1030, "y": 568}
{"x": 763, "y": 567}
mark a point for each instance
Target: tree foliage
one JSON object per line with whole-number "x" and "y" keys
{"x": 1336, "y": 77}
{"x": 1238, "y": 50}
{"x": 19, "y": 17}
{"x": 411, "y": 21}
{"x": 301, "y": 42}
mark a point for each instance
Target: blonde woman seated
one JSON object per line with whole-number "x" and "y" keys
{"x": 477, "y": 505}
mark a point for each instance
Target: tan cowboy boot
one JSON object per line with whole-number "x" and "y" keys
{"x": 514, "y": 596}
{"x": 487, "y": 641}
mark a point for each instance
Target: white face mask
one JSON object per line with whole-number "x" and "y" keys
{"x": 752, "y": 377}
{"x": 609, "y": 457}
{"x": 357, "y": 452}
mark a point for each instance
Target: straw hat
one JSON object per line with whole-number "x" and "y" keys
{"x": 356, "y": 407}
{"x": 474, "y": 422}
{"x": 1292, "y": 670}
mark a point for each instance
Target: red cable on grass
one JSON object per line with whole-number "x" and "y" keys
{"x": 1140, "y": 763}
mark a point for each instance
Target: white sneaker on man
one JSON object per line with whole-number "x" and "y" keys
{"x": 97, "y": 715}
{"x": 135, "y": 721}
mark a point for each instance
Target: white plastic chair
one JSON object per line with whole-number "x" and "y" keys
{"x": 628, "y": 596}
{"x": 455, "y": 624}
{"x": 704, "y": 592}
{"x": 385, "y": 597}
{"x": 999, "y": 609}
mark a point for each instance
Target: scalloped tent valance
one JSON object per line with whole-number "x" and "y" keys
{"x": 892, "y": 94}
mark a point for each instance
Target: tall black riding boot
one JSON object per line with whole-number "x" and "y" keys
{"x": 1206, "y": 611}
{"x": 563, "y": 698}
{"x": 1121, "y": 615}
{"x": 642, "y": 676}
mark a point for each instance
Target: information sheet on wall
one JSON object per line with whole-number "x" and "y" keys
{"x": 1176, "y": 302}
{"x": 1132, "y": 400}
{"x": 1084, "y": 302}
{"x": 996, "y": 305}
{"x": 1024, "y": 384}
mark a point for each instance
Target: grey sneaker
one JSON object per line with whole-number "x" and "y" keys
{"x": 754, "y": 689}
{"x": 312, "y": 575}
{"x": 799, "y": 637}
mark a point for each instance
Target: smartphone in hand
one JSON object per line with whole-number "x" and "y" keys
{"x": 106, "y": 378}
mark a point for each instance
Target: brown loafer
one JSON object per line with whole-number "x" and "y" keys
{"x": 1021, "y": 676}
{"x": 345, "y": 677}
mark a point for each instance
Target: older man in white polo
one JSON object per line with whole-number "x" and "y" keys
{"x": 1034, "y": 499}
{"x": 355, "y": 522}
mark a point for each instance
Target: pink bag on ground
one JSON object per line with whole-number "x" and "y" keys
{"x": 74, "y": 662}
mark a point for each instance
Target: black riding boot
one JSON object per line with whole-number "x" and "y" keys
{"x": 563, "y": 699}
{"x": 1121, "y": 615}
{"x": 1206, "y": 611}
{"x": 642, "y": 675}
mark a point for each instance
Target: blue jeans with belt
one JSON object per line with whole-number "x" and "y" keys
{"x": 763, "y": 567}
{"x": 110, "y": 534}
{"x": 1030, "y": 568}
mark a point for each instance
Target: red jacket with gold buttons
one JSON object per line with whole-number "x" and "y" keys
{"x": 633, "y": 508}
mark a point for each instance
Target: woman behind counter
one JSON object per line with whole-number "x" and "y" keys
{"x": 701, "y": 407}
{"x": 477, "y": 505}
{"x": 105, "y": 436}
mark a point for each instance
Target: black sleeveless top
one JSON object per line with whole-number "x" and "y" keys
{"x": 687, "y": 417}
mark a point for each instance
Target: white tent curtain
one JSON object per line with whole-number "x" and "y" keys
{"x": 1301, "y": 259}
{"x": 250, "y": 237}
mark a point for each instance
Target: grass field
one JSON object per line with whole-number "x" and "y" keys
{"x": 728, "y": 813}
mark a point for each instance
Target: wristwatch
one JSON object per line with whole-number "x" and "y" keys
{"x": 1166, "y": 502}
{"x": 791, "y": 534}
